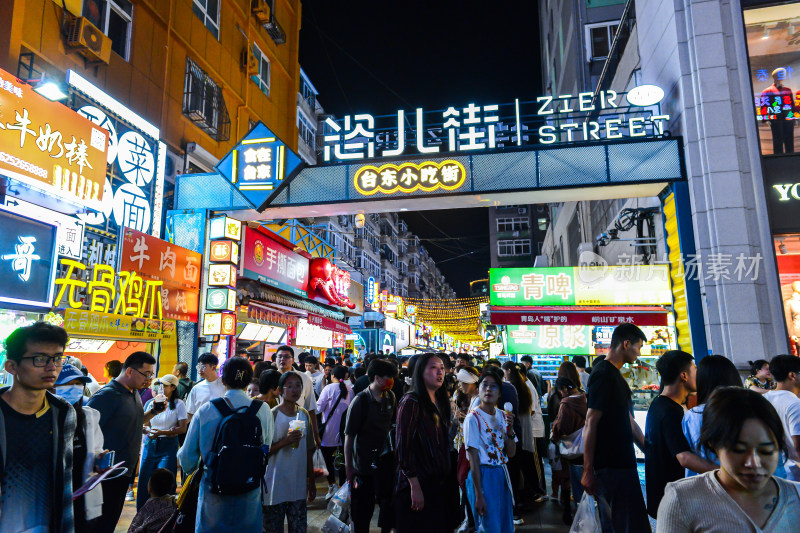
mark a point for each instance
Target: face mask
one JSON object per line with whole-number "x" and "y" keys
{"x": 71, "y": 393}
{"x": 388, "y": 384}
{"x": 408, "y": 381}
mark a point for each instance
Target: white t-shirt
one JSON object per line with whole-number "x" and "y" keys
{"x": 168, "y": 418}
{"x": 286, "y": 471}
{"x": 788, "y": 406}
{"x": 202, "y": 393}
{"x": 487, "y": 434}
{"x": 316, "y": 379}
{"x": 308, "y": 400}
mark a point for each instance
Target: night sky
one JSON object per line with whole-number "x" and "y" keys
{"x": 378, "y": 56}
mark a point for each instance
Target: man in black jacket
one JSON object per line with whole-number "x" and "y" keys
{"x": 36, "y": 432}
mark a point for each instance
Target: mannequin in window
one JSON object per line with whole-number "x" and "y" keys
{"x": 792, "y": 307}
{"x": 779, "y": 100}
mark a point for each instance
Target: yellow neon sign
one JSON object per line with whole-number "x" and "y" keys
{"x": 427, "y": 176}
{"x": 134, "y": 295}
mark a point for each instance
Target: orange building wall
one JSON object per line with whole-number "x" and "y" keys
{"x": 151, "y": 82}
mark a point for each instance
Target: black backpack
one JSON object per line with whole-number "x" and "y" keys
{"x": 237, "y": 462}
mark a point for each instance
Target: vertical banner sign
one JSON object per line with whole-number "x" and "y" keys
{"x": 49, "y": 147}
{"x": 177, "y": 267}
{"x": 224, "y": 234}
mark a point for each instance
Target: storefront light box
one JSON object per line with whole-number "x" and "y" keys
{"x": 28, "y": 262}
{"x": 225, "y": 228}
{"x": 219, "y": 324}
{"x": 221, "y": 275}
{"x": 224, "y": 252}
{"x": 221, "y": 300}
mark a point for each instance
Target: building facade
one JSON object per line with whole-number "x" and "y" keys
{"x": 701, "y": 54}
{"x": 516, "y": 234}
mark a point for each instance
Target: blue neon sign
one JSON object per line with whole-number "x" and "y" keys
{"x": 28, "y": 260}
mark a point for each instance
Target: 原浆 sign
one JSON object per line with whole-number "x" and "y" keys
{"x": 549, "y": 340}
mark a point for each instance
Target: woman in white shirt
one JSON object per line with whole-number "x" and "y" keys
{"x": 744, "y": 430}
{"x": 160, "y": 448}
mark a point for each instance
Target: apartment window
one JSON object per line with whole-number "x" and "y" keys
{"x": 598, "y": 39}
{"x": 542, "y": 223}
{"x": 112, "y": 17}
{"x": 262, "y": 78}
{"x": 512, "y": 224}
{"x": 208, "y": 12}
{"x": 511, "y": 247}
{"x": 306, "y": 130}
{"x": 203, "y": 103}
{"x": 308, "y": 94}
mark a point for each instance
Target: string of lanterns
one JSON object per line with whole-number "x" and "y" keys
{"x": 456, "y": 317}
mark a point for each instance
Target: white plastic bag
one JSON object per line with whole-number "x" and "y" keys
{"x": 320, "y": 470}
{"x": 334, "y": 525}
{"x": 339, "y": 506}
{"x": 587, "y": 518}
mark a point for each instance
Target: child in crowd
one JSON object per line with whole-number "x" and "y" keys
{"x": 290, "y": 473}
{"x": 489, "y": 439}
{"x": 157, "y": 510}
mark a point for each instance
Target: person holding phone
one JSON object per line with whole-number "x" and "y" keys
{"x": 161, "y": 445}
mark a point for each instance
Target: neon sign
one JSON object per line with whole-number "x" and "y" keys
{"x": 546, "y": 120}
{"x": 429, "y": 176}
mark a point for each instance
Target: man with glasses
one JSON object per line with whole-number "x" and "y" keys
{"x": 121, "y": 420}
{"x": 36, "y": 432}
{"x": 209, "y": 389}
{"x": 284, "y": 358}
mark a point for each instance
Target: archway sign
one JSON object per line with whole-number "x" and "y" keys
{"x": 553, "y": 149}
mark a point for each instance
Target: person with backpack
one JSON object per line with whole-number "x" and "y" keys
{"x": 229, "y": 438}
{"x": 570, "y": 419}
{"x": 290, "y": 474}
{"x": 333, "y": 404}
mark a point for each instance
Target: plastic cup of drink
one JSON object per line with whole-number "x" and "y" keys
{"x": 297, "y": 425}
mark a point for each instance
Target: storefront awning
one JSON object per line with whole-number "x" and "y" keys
{"x": 578, "y": 316}
{"x": 329, "y": 324}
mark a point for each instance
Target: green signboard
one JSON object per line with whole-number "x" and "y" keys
{"x": 605, "y": 285}
{"x": 549, "y": 340}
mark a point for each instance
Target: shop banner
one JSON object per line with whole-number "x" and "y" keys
{"x": 70, "y": 229}
{"x": 309, "y": 334}
{"x": 549, "y": 340}
{"x": 329, "y": 324}
{"x": 159, "y": 260}
{"x": 265, "y": 314}
{"x": 28, "y": 260}
{"x": 84, "y": 323}
{"x": 575, "y": 316}
{"x": 271, "y": 263}
{"x": 560, "y": 286}
{"x": 49, "y": 147}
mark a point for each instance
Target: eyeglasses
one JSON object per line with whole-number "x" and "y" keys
{"x": 45, "y": 360}
{"x": 149, "y": 375}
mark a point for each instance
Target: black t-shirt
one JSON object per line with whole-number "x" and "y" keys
{"x": 608, "y": 392}
{"x": 121, "y": 420}
{"x": 369, "y": 421}
{"x": 663, "y": 440}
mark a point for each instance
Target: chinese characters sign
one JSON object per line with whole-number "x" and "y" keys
{"x": 70, "y": 229}
{"x": 429, "y": 176}
{"x": 545, "y": 340}
{"x": 27, "y": 260}
{"x": 258, "y": 164}
{"x": 49, "y": 147}
{"x": 93, "y": 323}
{"x": 267, "y": 261}
{"x": 572, "y": 316}
{"x": 616, "y": 285}
{"x": 547, "y": 120}
{"x": 177, "y": 268}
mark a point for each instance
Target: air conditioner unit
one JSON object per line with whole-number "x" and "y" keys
{"x": 522, "y": 210}
{"x": 249, "y": 62}
{"x": 89, "y": 40}
{"x": 261, "y": 11}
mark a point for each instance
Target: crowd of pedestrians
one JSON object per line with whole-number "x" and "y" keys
{"x": 439, "y": 442}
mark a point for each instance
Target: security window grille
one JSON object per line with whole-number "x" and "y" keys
{"x": 262, "y": 78}
{"x": 514, "y": 247}
{"x": 513, "y": 224}
{"x": 203, "y": 103}
{"x": 208, "y": 12}
{"x": 307, "y": 92}
{"x": 113, "y": 18}
{"x": 598, "y": 40}
{"x": 306, "y": 130}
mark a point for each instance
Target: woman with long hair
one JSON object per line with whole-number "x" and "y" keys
{"x": 571, "y": 417}
{"x": 333, "y": 403}
{"x": 422, "y": 484}
{"x": 713, "y": 372}
{"x": 743, "y": 429}
{"x": 160, "y": 448}
{"x": 560, "y": 477}
{"x": 526, "y": 460}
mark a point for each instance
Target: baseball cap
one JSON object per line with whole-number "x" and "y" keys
{"x": 69, "y": 373}
{"x": 167, "y": 379}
